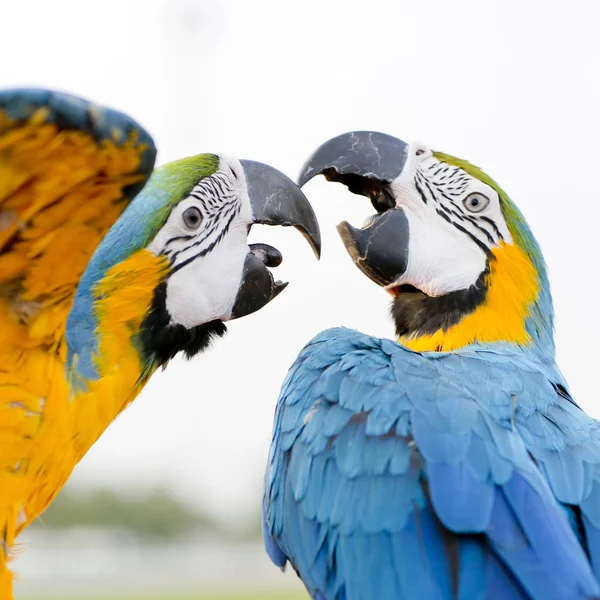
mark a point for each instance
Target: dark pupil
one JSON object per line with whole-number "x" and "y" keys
{"x": 474, "y": 201}
{"x": 192, "y": 217}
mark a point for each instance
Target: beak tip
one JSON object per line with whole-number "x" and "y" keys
{"x": 292, "y": 209}
{"x": 278, "y": 287}
{"x": 306, "y": 174}
{"x": 344, "y": 228}
{"x": 315, "y": 243}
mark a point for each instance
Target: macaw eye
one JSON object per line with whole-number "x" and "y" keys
{"x": 192, "y": 218}
{"x": 476, "y": 202}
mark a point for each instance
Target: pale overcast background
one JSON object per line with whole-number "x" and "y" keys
{"x": 513, "y": 86}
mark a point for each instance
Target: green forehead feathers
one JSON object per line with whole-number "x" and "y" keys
{"x": 172, "y": 182}
{"x": 515, "y": 220}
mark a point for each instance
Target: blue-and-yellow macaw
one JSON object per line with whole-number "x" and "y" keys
{"x": 452, "y": 463}
{"x": 108, "y": 269}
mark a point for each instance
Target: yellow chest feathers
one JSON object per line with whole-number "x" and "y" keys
{"x": 512, "y": 286}
{"x": 125, "y": 296}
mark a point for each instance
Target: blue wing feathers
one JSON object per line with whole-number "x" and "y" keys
{"x": 529, "y": 538}
{"x": 472, "y": 569}
{"x": 436, "y": 445}
{"x": 462, "y": 503}
{"x": 396, "y": 475}
{"x": 420, "y": 561}
{"x": 590, "y": 506}
{"x": 592, "y": 541}
{"x": 499, "y": 583}
{"x": 478, "y": 460}
{"x": 273, "y": 550}
{"x": 566, "y": 472}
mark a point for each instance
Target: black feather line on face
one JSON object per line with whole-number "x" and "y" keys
{"x": 415, "y": 313}
{"x": 161, "y": 341}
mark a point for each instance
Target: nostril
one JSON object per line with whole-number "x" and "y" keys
{"x": 269, "y": 256}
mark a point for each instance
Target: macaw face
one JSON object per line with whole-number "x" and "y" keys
{"x": 437, "y": 233}
{"x": 214, "y": 275}
{"x": 454, "y": 222}
{"x": 182, "y": 244}
{"x": 205, "y": 240}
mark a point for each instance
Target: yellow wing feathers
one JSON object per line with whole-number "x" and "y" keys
{"x": 61, "y": 189}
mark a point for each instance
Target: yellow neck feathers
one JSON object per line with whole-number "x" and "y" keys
{"x": 127, "y": 292}
{"x": 512, "y": 286}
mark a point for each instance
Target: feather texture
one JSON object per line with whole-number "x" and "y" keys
{"x": 68, "y": 169}
{"x": 400, "y": 475}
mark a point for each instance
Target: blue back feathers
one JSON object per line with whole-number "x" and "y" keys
{"x": 400, "y": 475}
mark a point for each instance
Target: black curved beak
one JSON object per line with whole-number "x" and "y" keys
{"x": 364, "y": 154}
{"x": 379, "y": 250}
{"x": 367, "y": 162}
{"x": 277, "y": 200}
{"x": 274, "y": 200}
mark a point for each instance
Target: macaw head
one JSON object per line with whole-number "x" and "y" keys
{"x": 183, "y": 243}
{"x": 447, "y": 243}
{"x": 206, "y": 207}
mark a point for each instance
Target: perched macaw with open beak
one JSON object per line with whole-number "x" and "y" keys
{"x": 108, "y": 269}
{"x": 452, "y": 463}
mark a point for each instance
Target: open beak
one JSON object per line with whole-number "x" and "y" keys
{"x": 275, "y": 200}
{"x": 367, "y": 162}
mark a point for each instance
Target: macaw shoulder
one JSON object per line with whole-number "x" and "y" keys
{"x": 496, "y": 374}
{"x": 496, "y": 393}
{"x": 361, "y": 421}
{"x": 338, "y": 341}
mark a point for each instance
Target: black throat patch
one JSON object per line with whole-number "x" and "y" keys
{"x": 416, "y": 313}
{"x": 161, "y": 341}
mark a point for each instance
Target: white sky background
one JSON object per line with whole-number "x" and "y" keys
{"x": 512, "y": 86}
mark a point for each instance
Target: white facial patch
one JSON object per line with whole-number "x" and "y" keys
{"x": 454, "y": 221}
{"x": 207, "y": 259}
{"x": 441, "y": 259}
